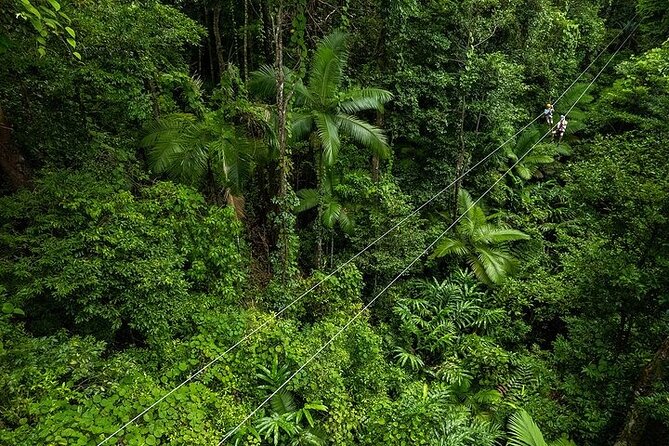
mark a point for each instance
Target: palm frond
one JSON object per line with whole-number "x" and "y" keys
{"x": 187, "y": 163}
{"x": 404, "y": 357}
{"x": 467, "y": 205}
{"x": 301, "y": 125}
{"x": 308, "y": 199}
{"x": 524, "y": 431}
{"x": 329, "y": 137}
{"x": 450, "y": 246}
{"x": 490, "y": 396}
{"x": 526, "y": 140}
{"x": 328, "y": 62}
{"x": 263, "y": 81}
{"x": 166, "y": 138}
{"x": 524, "y": 172}
{"x": 232, "y": 158}
{"x": 493, "y": 235}
{"x": 331, "y": 213}
{"x": 345, "y": 221}
{"x": 283, "y": 403}
{"x": 362, "y": 99}
{"x": 365, "y": 134}
{"x": 495, "y": 264}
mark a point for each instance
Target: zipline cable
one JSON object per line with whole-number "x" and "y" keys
{"x": 340, "y": 267}
{"x": 600, "y": 53}
{"x": 359, "y": 313}
{"x": 425, "y": 251}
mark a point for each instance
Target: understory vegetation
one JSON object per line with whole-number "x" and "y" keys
{"x": 215, "y": 210}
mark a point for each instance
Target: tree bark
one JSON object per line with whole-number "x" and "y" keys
{"x": 281, "y": 102}
{"x": 635, "y": 423}
{"x": 460, "y": 163}
{"x": 218, "y": 40}
{"x": 212, "y": 72}
{"x": 12, "y": 163}
{"x": 246, "y": 40}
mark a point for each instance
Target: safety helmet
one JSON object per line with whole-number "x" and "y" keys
{"x": 548, "y": 105}
{"x": 562, "y": 116}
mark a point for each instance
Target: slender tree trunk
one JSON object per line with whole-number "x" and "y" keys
{"x": 218, "y": 40}
{"x": 285, "y": 228}
{"x": 460, "y": 163}
{"x": 199, "y": 49}
{"x": 210, "y": 46}
{"x": 281, "y": 103}
{"x": 268, "y": 31}
{"x": 331, "y": 248}
{"x": 319, "y": 218}
{"x": 246, "y": 40}
{"x": 12, "y": 163}
{"x": 637, "y": 418}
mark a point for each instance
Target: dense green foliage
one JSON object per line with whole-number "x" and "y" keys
{"x": 175, "y": 175}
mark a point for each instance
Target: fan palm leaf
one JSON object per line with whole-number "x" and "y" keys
{"x": 524, "y": 431}
{"x": 263, "y": 81}
{"x": 198, "y": 150}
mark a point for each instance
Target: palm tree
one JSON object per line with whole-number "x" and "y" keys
{"x": 285, "y": 419}
{"x": 485, "y": 245}
{"x": 334, "y": 211}
{"x": 530, "y": 164}
{"x": 323, "y": 108}
{"x": 525, "y": 432}
{"x": 207, "y": 152}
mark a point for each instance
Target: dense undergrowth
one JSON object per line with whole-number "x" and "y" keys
{"x": 166, "y": 189}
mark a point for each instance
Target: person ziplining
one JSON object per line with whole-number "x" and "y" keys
{"x": 548, "y": 114}
{"x": 560, "y": 128}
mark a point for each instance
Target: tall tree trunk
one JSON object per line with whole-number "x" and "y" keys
{"x": 218, "y": 40}
{"x": 246, "y": 40}
{"x": 281, "y": 102}
{"x": 637, "y": 418}
{"x": 268, "y": 30}
{"x": 12, "y": 163}
{"x": 285, "y": 230}
{"x": 320, "y": 229}
{"x": 460, "y": 163}
{"x": 210, "y": 46}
